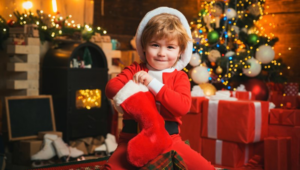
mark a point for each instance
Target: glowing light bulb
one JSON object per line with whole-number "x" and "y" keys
{"x": 54, "y": 6}
{"x": 27, "y": 5}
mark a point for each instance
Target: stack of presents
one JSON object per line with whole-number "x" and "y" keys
{"x": 246, "y": 133}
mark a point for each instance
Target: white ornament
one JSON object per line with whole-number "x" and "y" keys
{"x": 265, "y": 54}
{"x": 254, "y": 69}
{"x": 195, "y": 60}
{"x": 200, "y": 74}
{"x": 236, "y": 29}
{"x": 230, "y": 13}
{"x": 245, "y": 30}
{"x": 214, "y": 55}
{"x": 229, "y": 54}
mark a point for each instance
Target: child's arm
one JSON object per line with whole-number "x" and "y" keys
{"x": 178, "y": 99}
{"x": 115, "y": 84}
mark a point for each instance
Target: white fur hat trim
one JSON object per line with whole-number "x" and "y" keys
{"x": 187, "y": 53}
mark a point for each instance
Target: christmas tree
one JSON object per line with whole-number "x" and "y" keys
{"x": 87, "y": 58}
{"x": 229, "y": 45}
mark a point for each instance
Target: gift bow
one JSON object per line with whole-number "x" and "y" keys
{"x": 222, "y": 95}
{"x": 197, "y": 91}
{"x": 241, "y": 87}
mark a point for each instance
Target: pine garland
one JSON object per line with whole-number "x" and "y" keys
{"x": 49, "y": 27}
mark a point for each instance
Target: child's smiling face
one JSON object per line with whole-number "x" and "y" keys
{"x": 162, "y": 54}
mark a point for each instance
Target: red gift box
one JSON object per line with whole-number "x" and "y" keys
{"x": 243, "y": 95}
{"x": 191, "y": 124}
{"x": 294, "y": 133}
{"x": 225, "y": 153}
{"x": 287, "y": 117}
{"x": 282, "y": 101}
{"x": 291, "y": 89}
{"x": 235, "y": 121}
{"x": 190, "y": 130}
{"x": 277, "y": 153}
{"x": 275, "y": 87}
{"x": 197, "y": 104}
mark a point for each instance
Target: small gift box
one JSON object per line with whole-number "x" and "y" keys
{"x": 275, "y": 87}
{"x": 243, "y": 95}
{"x": 225, "y": 153}
{"x": 190, "y": 128}
{"x": 283, "y": 101}
{"x": 294, "y": 134}
{"x": 197, "y": 103}
{"x": 235, "y": 121}
{"x": 289, "y": 117}
{"x": 291, "y": 89}
{"x": 277, "y": 153}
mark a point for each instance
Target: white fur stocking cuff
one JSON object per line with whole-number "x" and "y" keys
{"x": 128, "y": 90}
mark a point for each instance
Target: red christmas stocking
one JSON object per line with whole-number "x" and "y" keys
{"x": 153, "y": 139}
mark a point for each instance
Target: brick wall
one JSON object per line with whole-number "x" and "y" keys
{"x": 123, "y": 16}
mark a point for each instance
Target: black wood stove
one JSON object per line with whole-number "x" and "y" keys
{"x": 80, "y": 105}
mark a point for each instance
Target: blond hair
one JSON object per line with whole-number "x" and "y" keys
{"x": 165, "y": 26}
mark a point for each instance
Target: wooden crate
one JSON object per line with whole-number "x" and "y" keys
{"x": 29, "y": 75}
{"x": 22, "y": 84}
{"x": 23, "y": 49}
{"x": 23, "y": 67}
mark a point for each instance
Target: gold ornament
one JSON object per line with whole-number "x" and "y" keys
{"x": 208, "y": 89}
{"x": 213, "y": 55}
{"x": 255, "y": 9}
{"x": 204, "y": 65}
{"x": 219, "y": 70}
{"x": 216, "y": 11}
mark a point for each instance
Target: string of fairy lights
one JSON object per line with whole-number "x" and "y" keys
{"x": 236, "y": 62}
{"x": 55, "y": 25}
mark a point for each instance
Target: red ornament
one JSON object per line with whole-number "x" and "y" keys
{"x": 258, "y": 88}
{"x": 288, "y": 105}
{"x": 10, "y": 22}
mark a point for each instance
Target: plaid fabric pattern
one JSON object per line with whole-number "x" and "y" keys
{"x": 168, "y": 161}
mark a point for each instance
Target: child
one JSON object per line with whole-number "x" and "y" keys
{"x": 155, "y": 94}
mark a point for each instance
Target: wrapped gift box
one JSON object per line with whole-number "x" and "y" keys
{"x": 225, "y": 153}
{"x": 24, "y": 149}
{"x": 243, "y": 95}
{"x": 277, "y": 153}
{"x": 291, "y": 89}
{"x": 191, "y": 124}
{"x": 190, "y": 130}
{"x": 283, "y": 101}
{"x": 288, "y": 117}
{"x": 275, "y": 87}
{"x": 294, "y": 134}
{"x": 197, "y": 103}
{"x": 235, "y": 121}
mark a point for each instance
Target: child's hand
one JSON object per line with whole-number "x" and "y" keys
{"x": 142, "y": 77}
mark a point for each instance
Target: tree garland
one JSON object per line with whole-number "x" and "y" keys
{"x": 50, "y": 27}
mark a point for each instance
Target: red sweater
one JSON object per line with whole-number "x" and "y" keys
{"x": 174, "y": 96}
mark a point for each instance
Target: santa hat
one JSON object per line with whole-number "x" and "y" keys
{"x": 187, "y": 53}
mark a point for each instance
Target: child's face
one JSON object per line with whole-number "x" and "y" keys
{"x": 162, "y": 54}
